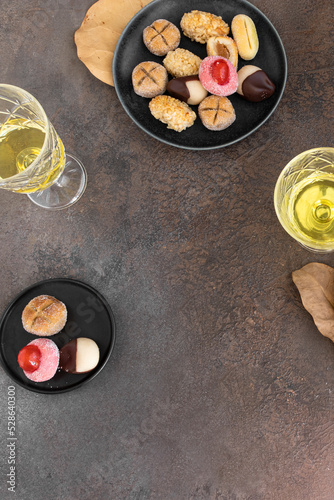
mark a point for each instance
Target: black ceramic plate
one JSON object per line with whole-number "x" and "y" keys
{"x": 88, "y": 315}
{"x": 131, "y": 50}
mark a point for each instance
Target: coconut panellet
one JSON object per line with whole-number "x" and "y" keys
{"x": 182, "y": 62}
{"x": 39, "y": 360}
{"x": 218, "y": 76}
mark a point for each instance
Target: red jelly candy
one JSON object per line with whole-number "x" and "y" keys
{"x": 220, "y": 72}
{"x": 29, "y": 358}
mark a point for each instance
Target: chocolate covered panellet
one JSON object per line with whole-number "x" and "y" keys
{"x": 188, "y": 89}
{"x": 254, "y": 84}
{"x": 80, "y": 355}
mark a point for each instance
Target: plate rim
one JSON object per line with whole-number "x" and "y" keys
{"x": 89, "y": 377}
{"x": 200, "y": 148}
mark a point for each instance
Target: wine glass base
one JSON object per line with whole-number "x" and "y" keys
{"x": 316, "y": 250}
{"x": 67, "y": 189}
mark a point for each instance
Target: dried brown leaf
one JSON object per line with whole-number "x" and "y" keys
{"x": 97, "y": 37}
{"x": 315, "y": 283}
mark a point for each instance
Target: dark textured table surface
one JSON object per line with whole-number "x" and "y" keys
{"x": 219, "y": 387}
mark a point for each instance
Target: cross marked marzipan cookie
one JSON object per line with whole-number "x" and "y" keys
{"x": 161, "y": 37}
{"x": 216, "y": 113}
{"x": 149, "y": 79}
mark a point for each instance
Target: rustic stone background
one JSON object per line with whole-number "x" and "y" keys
{"x": 220, "y": 386}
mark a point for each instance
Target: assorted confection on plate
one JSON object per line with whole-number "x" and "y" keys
{"x": 40, "y": 359}
{"x": 207, "y": 82}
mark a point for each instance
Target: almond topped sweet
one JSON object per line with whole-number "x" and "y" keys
{"x": 161, "y": 37}
{"x": 200, "y": 26}
{"x": 177, "y": 115}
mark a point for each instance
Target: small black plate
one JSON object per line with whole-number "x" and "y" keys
{"x": 88, "y": 315}
{"x": 131, "y": 50}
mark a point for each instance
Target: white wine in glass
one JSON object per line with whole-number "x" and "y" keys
{"x": 32, "y": 156}
{"x": 304, "y": 199}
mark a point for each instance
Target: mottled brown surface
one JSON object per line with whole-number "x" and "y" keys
{"x": 219, "y": 387}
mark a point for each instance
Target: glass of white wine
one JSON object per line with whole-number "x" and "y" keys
{"x": 304, "y": 199}
{"x": 32, "y": 156}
